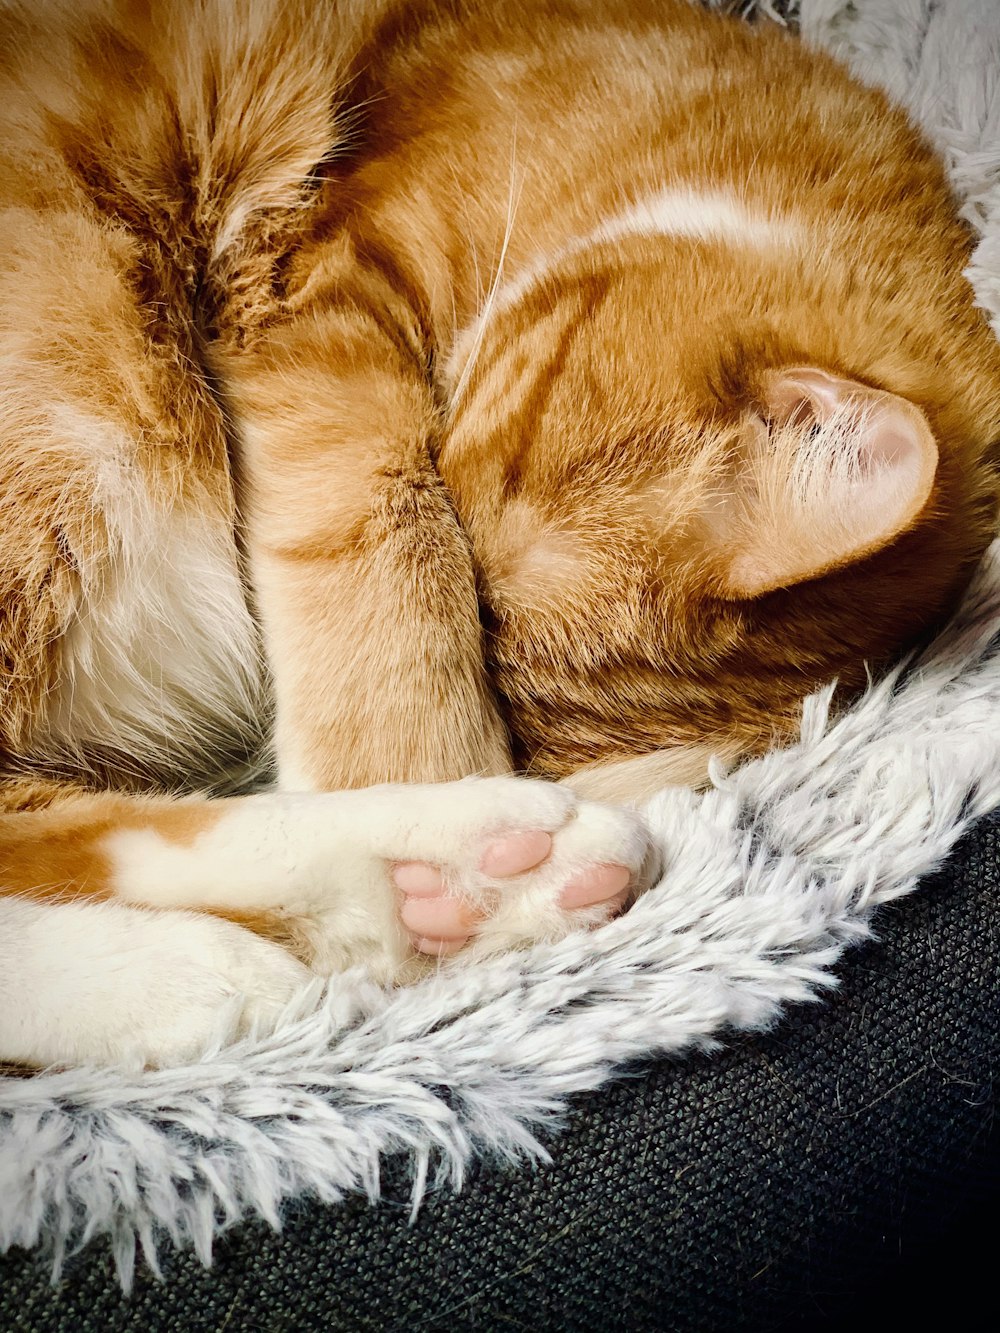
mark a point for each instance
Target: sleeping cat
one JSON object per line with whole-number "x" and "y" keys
{"x": 566, "y": 387}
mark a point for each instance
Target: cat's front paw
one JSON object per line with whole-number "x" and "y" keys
{"x": 530, "y": 862}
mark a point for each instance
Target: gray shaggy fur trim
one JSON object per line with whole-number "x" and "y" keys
{"x": 768, "y": 877}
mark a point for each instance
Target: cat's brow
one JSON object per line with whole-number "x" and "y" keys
{"x": 701, "y": 215}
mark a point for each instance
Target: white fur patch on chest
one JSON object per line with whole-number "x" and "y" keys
{"x": 162, "y": 663}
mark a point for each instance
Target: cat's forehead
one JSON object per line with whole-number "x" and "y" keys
{"x": 710, "y": 225}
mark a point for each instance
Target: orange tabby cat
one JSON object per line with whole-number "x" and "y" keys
{"x": 560, "y": 386}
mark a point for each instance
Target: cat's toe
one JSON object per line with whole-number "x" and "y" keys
{"x": 515, "y": 853}
{"x": 418, "y": 879}
{"x": 433, "y": 947}
{"x": 597, "y": 862}
{"x": 437, "y": 919}
{"x": 440, "y": 923}
{"x": 596, "y": 885}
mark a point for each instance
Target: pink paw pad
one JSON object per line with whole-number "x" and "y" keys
{"x": 597, "y": 884}
{"x": 418, "y": 879}
{"x": 437, "y": 948}
{"x": 440, "y": 918}
{"x": 440, "y": 924}
{"x": 515, "y": 854}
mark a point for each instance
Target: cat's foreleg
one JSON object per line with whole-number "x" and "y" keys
{"x": 363, "y": 576}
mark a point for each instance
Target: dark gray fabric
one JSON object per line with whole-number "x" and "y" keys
{"x": 742, "y": 1190}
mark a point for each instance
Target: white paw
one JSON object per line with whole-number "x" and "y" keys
{"x": 501, "y": 863}
{"x": 104, "y": 984}
{"x": 223, "y": 983}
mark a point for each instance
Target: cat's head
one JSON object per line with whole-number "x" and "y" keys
{"x": 695, "y": 498}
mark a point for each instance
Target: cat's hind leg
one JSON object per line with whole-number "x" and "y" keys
{"x": 124, "y": 629}
{"x": 377, "y": 875}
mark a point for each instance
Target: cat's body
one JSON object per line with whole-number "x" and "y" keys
{"x": 673, "y": 309}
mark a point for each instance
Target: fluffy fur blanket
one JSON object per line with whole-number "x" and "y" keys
{"x": 768, "y": 877}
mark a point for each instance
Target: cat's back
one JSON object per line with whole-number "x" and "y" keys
{"x": 583, "y": 110}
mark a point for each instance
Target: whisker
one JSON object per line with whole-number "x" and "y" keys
{"x": 513, "y": 199}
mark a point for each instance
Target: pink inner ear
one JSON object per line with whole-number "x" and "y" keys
{"x": 790, "y": 394}
{"x": 815, "y": 499}
{"x": 887, "y": 444}
{"x": 892, "y": 433}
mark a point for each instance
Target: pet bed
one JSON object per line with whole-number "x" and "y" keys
{"x": 768, "y": 878}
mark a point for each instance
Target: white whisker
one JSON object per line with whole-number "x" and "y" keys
{"x": 513, "y": 199}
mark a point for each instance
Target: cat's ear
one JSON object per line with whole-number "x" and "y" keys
{"x": 833, "y": 471}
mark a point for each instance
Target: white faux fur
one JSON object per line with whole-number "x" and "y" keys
{"x": 768, "y": 877}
